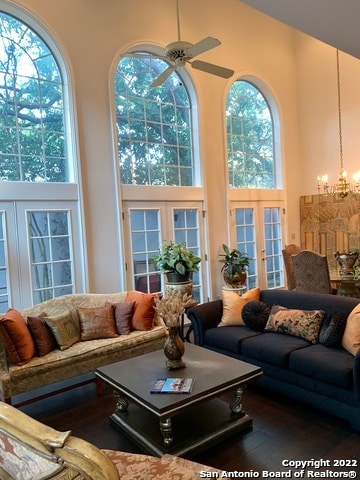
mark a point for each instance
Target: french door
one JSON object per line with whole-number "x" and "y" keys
{"x": 40, "y": 252}
{"x": 148, "y": 227}
{"x": 257, "y": 229}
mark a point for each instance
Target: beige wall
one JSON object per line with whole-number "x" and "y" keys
{"x": 93, "y": 33}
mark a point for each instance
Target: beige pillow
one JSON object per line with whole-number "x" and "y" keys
{"x": 233, "y": 304}
{"x": 351, "y": 337}
{"x": 65, "y": 329}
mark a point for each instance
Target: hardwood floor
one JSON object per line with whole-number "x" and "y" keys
{"x": 282, "y": 429}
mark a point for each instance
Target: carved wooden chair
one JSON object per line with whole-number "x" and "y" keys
{"x": 287, "y": 253}
{"x": 30, "y": 450}
{"x": 311, "y": 272}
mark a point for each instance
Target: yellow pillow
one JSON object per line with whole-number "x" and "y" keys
{"x": 351, "y": 337}
{"x": 233, "y": 305}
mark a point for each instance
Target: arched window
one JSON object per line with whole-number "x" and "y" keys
{"x": 153, "y": 125}
{"x": 250, "y": 138}
{"x": 32, "y": 131}
{"x": 40, "y": 229}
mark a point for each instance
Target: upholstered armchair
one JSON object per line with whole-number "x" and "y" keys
{"x": 30, "y": 450}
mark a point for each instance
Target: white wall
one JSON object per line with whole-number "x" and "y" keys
{"x": 94, "y": 32}
{"x": 318, "y": 111}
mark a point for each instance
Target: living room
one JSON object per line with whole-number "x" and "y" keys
{"x": 295, "y": 71}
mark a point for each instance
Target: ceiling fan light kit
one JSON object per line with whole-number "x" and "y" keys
{"x": 178, "y": 53}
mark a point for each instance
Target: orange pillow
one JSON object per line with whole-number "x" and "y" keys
{"x": 16, "y": 337}
{"x": 233, "y": 304}
{"x": 143, "y": 317}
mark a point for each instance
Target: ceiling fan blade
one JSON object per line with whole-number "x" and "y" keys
{"x": 213, "y": 69}
{"x": 143, "y": 55}
{"x": 163, "y": 76}
{"x": 203, "y": 46}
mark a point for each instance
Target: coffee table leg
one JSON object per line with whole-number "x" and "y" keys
{"x": 166, "y": 431}
{"x": 121, "y": 402}
{"x": 236, "y": 405}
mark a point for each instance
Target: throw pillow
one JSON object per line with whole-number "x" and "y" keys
{"x": 65, "y": 329}
{"x": 233, "y": 305}
{"x": 43, "y": 338}
{"x": 123, "y": 316}
{"x": 255, "y": 314}
{"x": 16, "y": 336}
{"x": 332, "y": 329}
{"x": 351, "y": 337}
{"x": 298, "y": 323}
{"x": 97, "y": 322}
{"x": 143, "y": 317}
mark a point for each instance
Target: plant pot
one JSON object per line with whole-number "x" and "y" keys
{"x": 175, "y": 277}
{"x": 234, "y": 277}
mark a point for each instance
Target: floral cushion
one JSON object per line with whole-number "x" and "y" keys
{"x": 16, "y": 462}
{"x": 299, "y": 323}
{"x": 131, "y": 466}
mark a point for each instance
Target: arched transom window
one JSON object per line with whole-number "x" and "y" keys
{"x": 32, "y": 144}
{"x": 153, "y": 125}
{"x": 250, "y": 138}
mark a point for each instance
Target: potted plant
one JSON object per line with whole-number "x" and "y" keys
{"x": 235, "y": 266}
{"x": 177, "y": 261}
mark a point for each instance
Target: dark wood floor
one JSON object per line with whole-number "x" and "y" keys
{"x": 282, "y": 429}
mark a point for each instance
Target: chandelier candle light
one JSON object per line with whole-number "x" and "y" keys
{"x": 342, "y": 187}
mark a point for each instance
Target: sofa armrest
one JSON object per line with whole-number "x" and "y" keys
{"x": 204, "y": 316}
{"x": 356, "y": 373}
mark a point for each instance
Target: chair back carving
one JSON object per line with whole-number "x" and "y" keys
{"x": 287, "y": 253}
{"x": 311, "y": 272}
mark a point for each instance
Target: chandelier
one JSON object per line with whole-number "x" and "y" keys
{"x": 342, "y": 188}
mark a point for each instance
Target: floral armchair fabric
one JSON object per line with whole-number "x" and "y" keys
{"x": 30, "y": 450}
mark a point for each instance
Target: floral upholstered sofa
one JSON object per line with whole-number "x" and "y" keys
{"x": 72, "y": 335}
{"x": 30, "y": 450}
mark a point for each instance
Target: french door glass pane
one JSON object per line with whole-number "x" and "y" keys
{"x": 4, "y": 294}
{"x": 272, "y": 229}
{"x": 50, "y": 254}
{"x": 145, "y": 243}
{"x": 246, "y": 241}
{"x": 186, "y": 229}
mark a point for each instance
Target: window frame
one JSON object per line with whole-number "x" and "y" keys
{"x": 268, "y": 95}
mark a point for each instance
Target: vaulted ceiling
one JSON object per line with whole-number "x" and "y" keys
{"x": 334, "y": 22}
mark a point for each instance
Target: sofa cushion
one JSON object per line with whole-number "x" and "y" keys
{"x": 272, "y": 348}
{"x": 256, "y": 314}
{"x": 331, "y": 365}
{"x": 123, "y": 316}
{"x": 16, "y": 337}
{"x": 65, "y": 328}
{"x": 233, "y": 305}
{"x": 299, "y": 323}
{"x": 97, "y": 322}
{"x": 143, "y": 317}
{"x": 351, "y": 337}
{"x": 332, "y": 329}
{"x": 229, "y": 338}
{"x": 43, "y": 338}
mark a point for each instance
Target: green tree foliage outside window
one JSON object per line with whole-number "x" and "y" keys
{"x": 250, "y": 141}
{"x": 153, "y": 125}
{"x": 32, "y": 133}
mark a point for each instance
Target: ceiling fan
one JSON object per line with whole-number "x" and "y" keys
{"x": 178, "y": 53}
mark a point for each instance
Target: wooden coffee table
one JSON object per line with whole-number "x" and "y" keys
{"x": 179, "y": 424}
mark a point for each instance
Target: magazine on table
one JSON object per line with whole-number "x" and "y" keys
{"x": 173, "y": 385}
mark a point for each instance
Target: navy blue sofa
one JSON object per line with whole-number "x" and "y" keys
{"x": 327, "y": 378}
